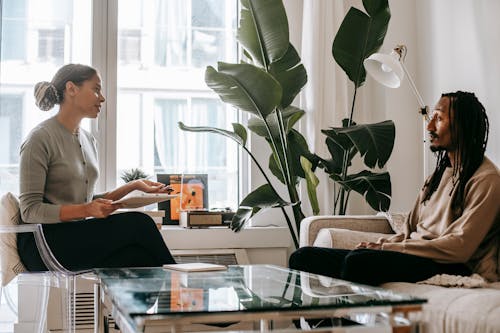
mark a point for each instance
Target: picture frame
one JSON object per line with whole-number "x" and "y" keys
{"x": 193, "y": 190}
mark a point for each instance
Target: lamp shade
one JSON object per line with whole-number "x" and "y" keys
{"x": 385, "y": 68}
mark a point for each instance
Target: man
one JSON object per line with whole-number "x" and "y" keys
{"x": 454, "y": 225}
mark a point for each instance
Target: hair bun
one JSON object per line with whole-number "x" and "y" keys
{"x": 46, "y": 95}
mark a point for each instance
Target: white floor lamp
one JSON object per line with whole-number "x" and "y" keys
{"x": 389, "y": 70}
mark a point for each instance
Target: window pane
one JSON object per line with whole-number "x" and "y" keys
{"x": 37, "y": 38}
{"x": 208, "y": 13}
{"x": 171, "y": 33}
{"x": 168, "y": 84}
{"x": 10, "y": 129}
{"x": 208, "y": 47}
{"x": 14, "y": 29}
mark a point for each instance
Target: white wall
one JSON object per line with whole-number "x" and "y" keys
{"x": 459, "y": 47}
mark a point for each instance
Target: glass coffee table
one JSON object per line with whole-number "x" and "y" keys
{"x": 161, "y": 300}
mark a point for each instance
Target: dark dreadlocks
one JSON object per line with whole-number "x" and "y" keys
{"x": 469, "y": 128}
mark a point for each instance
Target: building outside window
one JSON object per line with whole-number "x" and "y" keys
{"x": 129, "y": 46}
{"x": 51, "y": 45}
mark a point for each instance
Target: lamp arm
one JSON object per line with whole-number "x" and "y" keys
{"x": 423, "y": 107}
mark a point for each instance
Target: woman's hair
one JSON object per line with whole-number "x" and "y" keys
{"x": 47, "y": 94}
{"x": 469, "y": 128}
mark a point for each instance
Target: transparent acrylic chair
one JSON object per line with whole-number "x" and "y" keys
{"x": 35, "y": 284}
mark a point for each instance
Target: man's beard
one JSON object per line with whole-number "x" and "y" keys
{"x": 436, "y": 149}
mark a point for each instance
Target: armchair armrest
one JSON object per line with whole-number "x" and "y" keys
{"x": 311, "y": 226}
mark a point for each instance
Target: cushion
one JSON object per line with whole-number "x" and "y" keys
{"x": 396, "y": 220}
{"x": 10, "y": 263}
{"x": 344, "y": 238}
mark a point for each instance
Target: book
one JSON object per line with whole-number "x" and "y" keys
{"x": 136, "y": 199}
{"x": 195, "y": 267}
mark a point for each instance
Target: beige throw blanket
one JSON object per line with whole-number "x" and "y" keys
{"x": 445, "y": 280}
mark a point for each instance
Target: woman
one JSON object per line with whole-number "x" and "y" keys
{"x": 58, "y": 173}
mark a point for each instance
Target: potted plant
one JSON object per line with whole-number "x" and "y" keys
{"x": 360, "y": 35}
{"x": 133, "y": 174}
{"x": 265, "y": 84}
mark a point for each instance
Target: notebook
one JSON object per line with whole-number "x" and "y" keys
{"x": 195, "y": 267}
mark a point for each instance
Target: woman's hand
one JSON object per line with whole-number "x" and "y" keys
{"x": 100, "y": 208}
{"x": 369, "y": 245}
{"x": 149, "y": 186}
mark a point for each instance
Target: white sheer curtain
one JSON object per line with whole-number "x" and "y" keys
{"x": 327, "y": 97}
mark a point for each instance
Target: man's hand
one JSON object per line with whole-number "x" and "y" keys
{"x": 149, "y": 186}
{"x": 369, "y": 245}
{"x": 100, "y": 208}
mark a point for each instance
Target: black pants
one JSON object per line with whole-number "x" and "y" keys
{"x": 121, "y": 240}
{"x": 372, "y": 267}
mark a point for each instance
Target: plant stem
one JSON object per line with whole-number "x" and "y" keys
{"x": 287, "y": 218}
{"x": 292, "y": 190}
{"x": 352, "y": 106}
{"x": 345, "y": 161}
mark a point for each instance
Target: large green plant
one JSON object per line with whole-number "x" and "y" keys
{"x": 360, "y": 35}
{"x": 265, "y": 85}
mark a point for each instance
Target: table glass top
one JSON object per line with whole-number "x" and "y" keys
{"x": 252, "y": 288}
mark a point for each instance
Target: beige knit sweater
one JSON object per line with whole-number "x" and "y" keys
{"x": 434, "y": 231}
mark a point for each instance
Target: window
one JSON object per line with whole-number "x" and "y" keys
{"x": 162, "y": 48}
{"x": 166, "y": 85}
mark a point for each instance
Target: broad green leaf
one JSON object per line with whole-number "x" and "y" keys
{"x": 373, "y": 141}
{"x": 290, "y": 116}
{"x": 205, "y": 129}
{"x": 297, "y": 147}
{"x": 291, "y": 74}
{"x": 312, "y": 183}
{"x": 241, "y": 131}
{"x": 334, "y": 164}
{"x": 375, "y": 7}
{"x": 262, "y": 197}
{"x": 263, "y": 30}
{"x": 245, "y": 86}
{"x": 335, "y": 135}
{"x": 375, "y": 187}
{"x": 359, "y": 36}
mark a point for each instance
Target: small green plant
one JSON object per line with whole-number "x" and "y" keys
{"x": 133, "y": 174}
